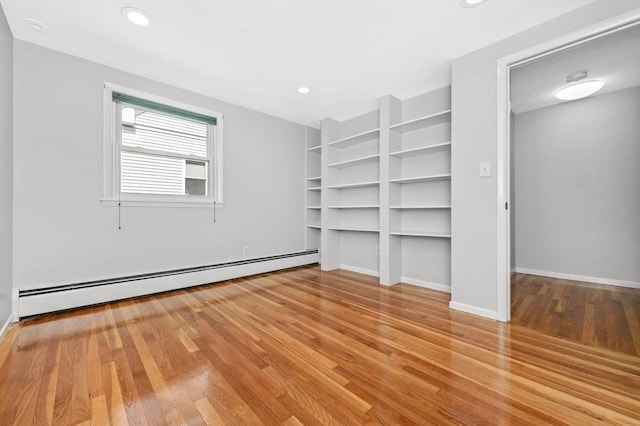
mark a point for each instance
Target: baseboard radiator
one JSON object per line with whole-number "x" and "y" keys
{"x": 41, "y": 300}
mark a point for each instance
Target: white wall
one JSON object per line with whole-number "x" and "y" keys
{"x": 62, "y": 232}
{"x": 6, "y": 169}
{"x": 474, "y": 133}
{"x": 578, "y": 187}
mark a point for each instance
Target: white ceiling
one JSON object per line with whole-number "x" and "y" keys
{"x": 256, "y": 53}
{"x": 613, "y": 59}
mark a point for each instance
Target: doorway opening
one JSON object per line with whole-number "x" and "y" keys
{"x": 533, "y": 58}
{"x": 575, "y": 192}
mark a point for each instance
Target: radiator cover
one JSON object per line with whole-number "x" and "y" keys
{"x": 34, "y": 301}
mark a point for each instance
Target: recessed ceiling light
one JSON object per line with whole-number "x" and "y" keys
{"x": 137, "y": 16}
{"x": 304, "y": 90}
{"x": 472, "y": 3}
{"x": 579, "y": 90}
{"x": 36, "y": 25}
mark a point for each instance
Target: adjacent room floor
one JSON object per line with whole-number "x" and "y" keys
{"x": 304, "y": 347}
{"x": 592, "y": 314}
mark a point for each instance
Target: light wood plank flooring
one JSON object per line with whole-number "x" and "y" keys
{"x": 304, "y": 347}
{"x": 592, "y": 314}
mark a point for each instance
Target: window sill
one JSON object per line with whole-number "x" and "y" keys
{"x": 162, "y": 203}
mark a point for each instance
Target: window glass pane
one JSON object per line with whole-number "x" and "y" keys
{"x": 195, "y": 186}
{"x": 196, "y": 169}
{"x": 151, "y": 174}
{"x": 195, "y": 181}
{"x": 152, "y": 130}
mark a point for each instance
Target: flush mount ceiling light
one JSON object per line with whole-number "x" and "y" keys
{"x": 578, "y": 87}
{"x": 36, "y": 25}
{"x": 304, "y": 90}
{"x": 137, "y": 16}
{"x": 472, "y": 3}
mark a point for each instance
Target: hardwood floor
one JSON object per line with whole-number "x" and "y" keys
{"x": 593, "y": 314}
{"x": 304, "y": 347}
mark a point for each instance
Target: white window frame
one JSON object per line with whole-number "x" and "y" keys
{"x": 111, "y": 194}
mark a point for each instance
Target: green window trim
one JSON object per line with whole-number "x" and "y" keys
{"x": 143, "y": 103}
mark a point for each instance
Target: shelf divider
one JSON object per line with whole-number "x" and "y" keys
{"x": 355, "y": 139}
{"x": 441, "y": 207}
{"x": 356, "y": 161}
{"x": 423, "y": 122}
{"x": 420, "y": 234}
{"x": 372, "y": 206}
{"x": 420, "y": 150}
{"x": 350, "y": 229}
{"x": 354, "y": 185}
{"x": 421, "y": 178}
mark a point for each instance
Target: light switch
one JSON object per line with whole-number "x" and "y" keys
{"x": 485, "y": 169}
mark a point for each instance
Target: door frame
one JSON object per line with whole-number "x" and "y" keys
{"x": 503, "y": 169}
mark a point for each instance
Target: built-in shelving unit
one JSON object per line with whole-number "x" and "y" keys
{"x": 351, "y": 163}
{"x": 386, "y": 191}
{"x": 419, "y": 190}
{"x": 313, "y": 186}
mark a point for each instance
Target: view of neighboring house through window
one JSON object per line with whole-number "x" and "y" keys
{"x": 162, "y": 153}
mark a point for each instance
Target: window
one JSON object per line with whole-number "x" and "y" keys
{"x": 160, "y": 151}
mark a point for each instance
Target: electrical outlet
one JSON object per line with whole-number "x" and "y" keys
{"x": 245, "y": 250}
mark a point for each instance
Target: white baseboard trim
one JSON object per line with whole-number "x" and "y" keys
{"x": 473, "y": 310}
{"x": 4, "y": 327}
{"x": 360, "y": 270}
{"x": 426, "y": 284}
{"x": 573, "y": 277}
{"x": 73, "y": 298}
{"x": 15, "y": 316}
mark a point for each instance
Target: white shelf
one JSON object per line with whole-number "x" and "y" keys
{"x": 423, "y": 122}
{"x": 337, "y": 228}
{"x": 315, "y": 178}
{"x": 421, "y": 179}
{"x": 420, "y": 234}
{"x": 354, "y": 185}
{"x": 356, "y": 139}
{"x": 419, "y": 207}
{"x": 314, "y": 226}
{"x": 372, "y": 206}
{"x": 314, "y": 207}
{"x": 315, "y": 148}
{"x": 356, "y": 161}
{"x": 421, "y": 150}
{"x": 315, "y": 188}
